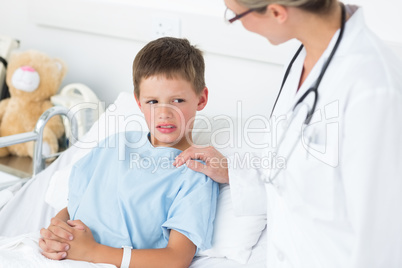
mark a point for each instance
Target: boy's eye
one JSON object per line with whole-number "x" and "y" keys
{"x": 178, "y": 100}
{"x": 152, "y": 101}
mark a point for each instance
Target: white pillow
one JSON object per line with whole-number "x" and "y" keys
{"x": 234, "y": 236}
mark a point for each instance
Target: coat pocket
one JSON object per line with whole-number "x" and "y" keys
{"x": 310, "y": 179}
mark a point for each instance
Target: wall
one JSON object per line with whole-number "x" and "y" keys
{"x": 98, "y": 39}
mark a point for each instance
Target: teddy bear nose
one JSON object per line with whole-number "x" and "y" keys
{"x": 26, "y": 79}
{"x": 28, "y": 69}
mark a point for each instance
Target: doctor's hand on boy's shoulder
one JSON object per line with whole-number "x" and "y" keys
{"x": 215, "y": 167}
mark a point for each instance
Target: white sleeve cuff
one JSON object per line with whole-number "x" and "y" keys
{"x": 247, "y": 190}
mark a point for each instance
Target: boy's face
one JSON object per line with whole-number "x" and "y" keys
{"x": 169, "y": 107}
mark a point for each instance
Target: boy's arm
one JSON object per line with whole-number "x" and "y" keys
{"x": 178, "y": 253}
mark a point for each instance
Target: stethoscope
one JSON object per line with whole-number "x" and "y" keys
{"x": 301, "y": 113}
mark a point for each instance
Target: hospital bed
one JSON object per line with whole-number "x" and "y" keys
{"x": 237, "y": 242}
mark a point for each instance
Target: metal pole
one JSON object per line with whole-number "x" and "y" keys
{"x": 38, "y": 160}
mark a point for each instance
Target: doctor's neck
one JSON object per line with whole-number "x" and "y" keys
{"x": 315, "y": 31}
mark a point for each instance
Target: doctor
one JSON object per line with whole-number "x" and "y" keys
{"x": 338, "y": 200}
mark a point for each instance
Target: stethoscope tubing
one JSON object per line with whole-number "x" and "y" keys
{"x": 313, "y": 89}
{"x": 323, "y": 70}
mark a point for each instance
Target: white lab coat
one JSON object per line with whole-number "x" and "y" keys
{"x": 337, "y": 203}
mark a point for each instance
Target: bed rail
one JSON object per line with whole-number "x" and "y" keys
{"x": 37, "y": 136}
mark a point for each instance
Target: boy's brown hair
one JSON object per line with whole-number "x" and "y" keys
{"x": 170, "y": 57}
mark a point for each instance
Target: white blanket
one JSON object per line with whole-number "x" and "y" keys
{"x": 23, "y": 251}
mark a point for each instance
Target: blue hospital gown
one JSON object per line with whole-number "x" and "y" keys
{"x": 129, "y": 193}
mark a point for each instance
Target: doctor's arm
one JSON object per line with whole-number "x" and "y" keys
{"x": 372, "y": 177}
{"x": 246, "y": 182}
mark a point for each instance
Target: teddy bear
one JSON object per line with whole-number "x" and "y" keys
{"x": 32, "y": 78}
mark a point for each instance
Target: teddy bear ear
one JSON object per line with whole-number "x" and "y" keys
{"x": 62, "y": 66}
{"x": 59, "y": 65}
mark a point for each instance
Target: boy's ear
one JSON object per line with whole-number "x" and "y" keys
{"x": 203, "y": 99}
{"x": 138, "y": 102}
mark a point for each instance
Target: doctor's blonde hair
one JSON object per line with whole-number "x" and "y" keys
{"x": 316, "y": 6}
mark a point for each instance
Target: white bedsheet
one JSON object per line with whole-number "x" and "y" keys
{"x": 23, "y": 252}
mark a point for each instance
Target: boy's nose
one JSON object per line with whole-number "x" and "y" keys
{"x": 164, "y": 112}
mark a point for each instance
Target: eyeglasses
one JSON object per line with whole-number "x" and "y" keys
{"x": 231, "y": 17}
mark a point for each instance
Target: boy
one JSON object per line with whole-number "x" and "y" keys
{"x": 127, "y": 192}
